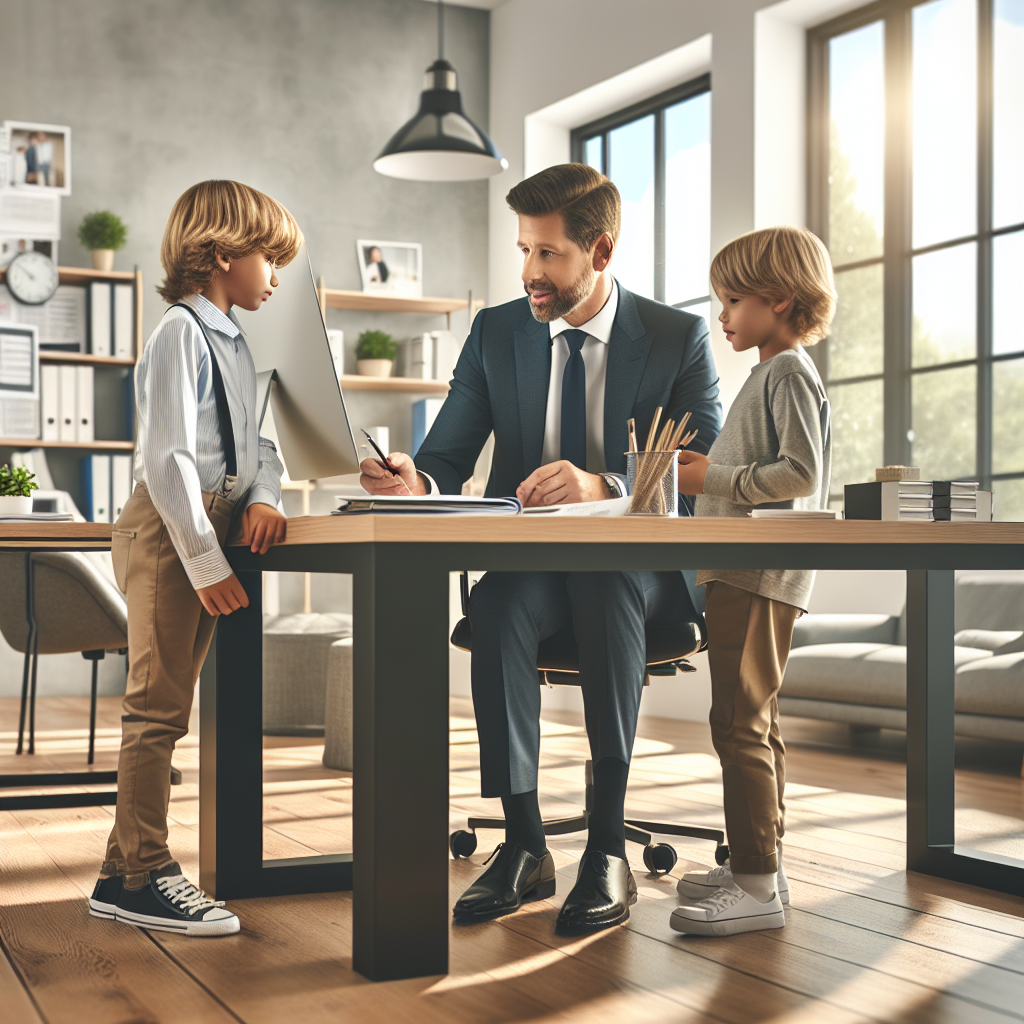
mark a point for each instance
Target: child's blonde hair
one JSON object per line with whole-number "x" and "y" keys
{"x": 778, "y": 264}
{"x": 224, "y": 215}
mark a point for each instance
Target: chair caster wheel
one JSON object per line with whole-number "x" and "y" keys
{"x": 660, "y": 858}
{"x": 462, "y": 844}
{"x": 721, "y": 854}
{"x": 175, "y": 776}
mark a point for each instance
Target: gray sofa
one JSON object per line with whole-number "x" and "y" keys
{"x": 852, "y": 668}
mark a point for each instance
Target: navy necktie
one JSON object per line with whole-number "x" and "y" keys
{"x": 574, "y": 402}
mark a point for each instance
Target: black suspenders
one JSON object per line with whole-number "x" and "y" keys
{"x": 227, "y": 433}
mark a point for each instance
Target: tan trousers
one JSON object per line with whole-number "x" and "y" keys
{"x": 169, "y": 633}
{"x": 749, "y": 637}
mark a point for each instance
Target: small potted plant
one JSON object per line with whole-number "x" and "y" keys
{"x": 102, "y": 233}
{"x": 375, "y": 354}
{"x": 16, "y": 487}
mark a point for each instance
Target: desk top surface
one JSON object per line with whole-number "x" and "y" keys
{"x": 364, "y": 529}
{"x": 635, "y": 530}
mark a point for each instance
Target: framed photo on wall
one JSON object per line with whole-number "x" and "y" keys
{"x": 40, "y": 156}
{"x": 391, "y": 268}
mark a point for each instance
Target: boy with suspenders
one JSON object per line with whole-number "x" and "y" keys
{"x": 202, "y": 473}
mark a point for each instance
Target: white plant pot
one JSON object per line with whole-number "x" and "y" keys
{"x": 102, "y": 259}
{"x": 15, "y": 506}
{"x": 374, "y": 367}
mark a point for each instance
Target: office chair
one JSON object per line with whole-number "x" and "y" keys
{"x": 558, "y": 665}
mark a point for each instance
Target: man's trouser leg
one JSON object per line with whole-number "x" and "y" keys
{"x": 611, "y": 612}
{"x": 169, "y": 635}
{"x": 748, "y": 646}
{"x": 510, "y": 613}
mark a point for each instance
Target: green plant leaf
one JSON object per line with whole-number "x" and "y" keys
{"x": 102, "y": 230}
{"x": 17, "y": 482}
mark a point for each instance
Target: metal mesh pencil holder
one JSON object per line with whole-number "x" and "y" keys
{"x": 652, "y": 480}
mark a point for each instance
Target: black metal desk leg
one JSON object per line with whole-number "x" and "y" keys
{"x": 931, "y": 793}
{"x": 29, "y": 646}
{"x": 400, "y": 782}
{"x": 930, "y": 673}
{"x": 231, "y": 752}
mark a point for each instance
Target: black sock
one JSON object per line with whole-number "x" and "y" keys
{"x": 607, "y": 828}
{"x": 523, "y": 825}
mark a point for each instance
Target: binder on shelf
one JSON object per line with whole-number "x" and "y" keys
{"x": 68, "y": 392}
{"x": 49, "y": 402}
{"x": 101, "y": 299}
{"x": 120, "y": 484}
{"x": 447, "y": 349}
{"x": 424, "y": 412}
{"x": 420, "y": 357}
{"x": 84, "y": 404}
{"x": 124, "y": 321}
{"x": 96, "y": 488}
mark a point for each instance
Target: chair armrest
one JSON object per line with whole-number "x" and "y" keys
{"x": 845, "y": 629}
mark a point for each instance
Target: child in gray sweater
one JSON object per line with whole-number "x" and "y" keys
{"x": 774, "y": 451}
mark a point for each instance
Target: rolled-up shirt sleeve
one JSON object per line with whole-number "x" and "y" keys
{"x": 266, "y": 490}
{"x": 175, "y": 360}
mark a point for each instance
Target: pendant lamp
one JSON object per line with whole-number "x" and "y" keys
{"x": 440, "y": 143}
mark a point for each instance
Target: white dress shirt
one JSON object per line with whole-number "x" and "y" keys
{"x": 595, "y": 361}
{"x": 179, "y": 452}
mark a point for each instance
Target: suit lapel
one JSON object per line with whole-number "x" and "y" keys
{"x": 533, "y": 371}
{"x": 628, "y": 347}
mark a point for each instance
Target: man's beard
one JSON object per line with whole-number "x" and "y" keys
{"x": 565, "y": 301}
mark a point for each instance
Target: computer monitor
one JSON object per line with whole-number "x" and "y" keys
{"x": 288, "y": 339}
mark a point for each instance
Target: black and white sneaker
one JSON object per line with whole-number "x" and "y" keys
{"x": 171, "y": 903}
{"x": 105, "y": 894}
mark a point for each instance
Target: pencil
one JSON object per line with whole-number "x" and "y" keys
{"x": 631, "y": 427}
{"x": 654, "y": 427}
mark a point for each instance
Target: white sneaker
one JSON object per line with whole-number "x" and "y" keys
{"x": 728, "y": 912}
{"x": 696, "y": 885}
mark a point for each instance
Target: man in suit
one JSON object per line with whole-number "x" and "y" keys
{"x": 554, "y": 376}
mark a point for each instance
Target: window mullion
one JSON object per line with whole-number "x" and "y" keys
{"x": 985, "y": 114}
{"x": 659, "y": 205}
{"x": 898, "y": 319}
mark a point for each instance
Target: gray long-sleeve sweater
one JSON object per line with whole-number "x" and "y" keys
{"x": 775, "y": 451}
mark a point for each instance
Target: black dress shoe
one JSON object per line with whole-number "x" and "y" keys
{"x": 604, "y": 891}
{"x": 514, "y": 878}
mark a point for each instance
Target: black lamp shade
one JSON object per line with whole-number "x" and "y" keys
{"x": 440, "y": 143}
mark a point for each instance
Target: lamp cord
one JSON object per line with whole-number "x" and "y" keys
{"x": 440, "y": 29}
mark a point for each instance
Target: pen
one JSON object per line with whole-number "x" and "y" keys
{"x": 383, "y": 459}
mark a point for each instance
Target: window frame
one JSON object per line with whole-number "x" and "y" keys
{"x": 898, "y": 250}
{"x": 601, "y": 127}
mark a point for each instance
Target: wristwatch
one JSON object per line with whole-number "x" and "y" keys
{"x": 615, "y": 484}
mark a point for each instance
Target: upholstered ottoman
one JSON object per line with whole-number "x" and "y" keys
{"x": 295, "y": 655}
{"x": 338, "y": 707}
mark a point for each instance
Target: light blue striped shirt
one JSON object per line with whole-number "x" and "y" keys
{"x": 179, "y": 452}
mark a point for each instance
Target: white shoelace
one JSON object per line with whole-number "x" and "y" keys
{"x": 717, "y": 874}
{"x": 185, "y": 896}
{"x": 721, "y": 900}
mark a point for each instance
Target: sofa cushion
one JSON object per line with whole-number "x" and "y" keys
{"x": 1001, "y": 640}
{"x": 990, "y": 599}
{"x": 844, "y": 628}
{"x": 874, "y": 674}
{"x": 992, "y": 686}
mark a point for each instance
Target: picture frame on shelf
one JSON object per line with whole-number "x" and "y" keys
{"x": 11, "y": 247}
{"x": 391, "y": 268}
{"x": 5, "y": 169}
{"x": 40, "y": 156}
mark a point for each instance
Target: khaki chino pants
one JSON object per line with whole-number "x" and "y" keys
{"x": 749, "y": 638}
{"x": 169, "y": 633}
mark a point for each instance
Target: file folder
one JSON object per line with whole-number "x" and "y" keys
{"x": 100, "y": 302}
{"x": 49, "y": 402}
{"x": 68, "y": 414}
{"x": 84, "y": 404}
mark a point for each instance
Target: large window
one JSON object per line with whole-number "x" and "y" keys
{"x": 658, "y": 153}
{"x": 917, "y": 187}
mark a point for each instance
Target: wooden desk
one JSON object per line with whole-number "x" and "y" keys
{"x": 29, "y": 538}
{"x": 400, "y": 566}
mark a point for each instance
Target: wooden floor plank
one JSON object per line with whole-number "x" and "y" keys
{"x": 18, "y": 1007}
{"x": 79, "y": 968}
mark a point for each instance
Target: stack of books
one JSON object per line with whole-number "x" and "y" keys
{"x": 928, "y": 500}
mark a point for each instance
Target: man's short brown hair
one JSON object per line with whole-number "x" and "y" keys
{"x": 777, "y": 264}
{"x": 588, "y": 202}
{"x": 224, "y": 215}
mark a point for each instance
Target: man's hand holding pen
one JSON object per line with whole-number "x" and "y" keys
{"x": 376, "y": 479}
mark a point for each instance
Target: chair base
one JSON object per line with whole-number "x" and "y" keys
{"x": 660, "y": 858}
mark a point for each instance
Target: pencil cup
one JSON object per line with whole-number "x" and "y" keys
{"x": 652, "y": 479}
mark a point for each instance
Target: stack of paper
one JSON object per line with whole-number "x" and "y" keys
{"x": 926, "y": 500}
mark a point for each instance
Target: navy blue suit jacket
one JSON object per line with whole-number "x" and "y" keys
{"x": 657, "y": 356}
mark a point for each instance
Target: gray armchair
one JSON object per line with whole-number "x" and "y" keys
{"x": 63, "y": 605}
